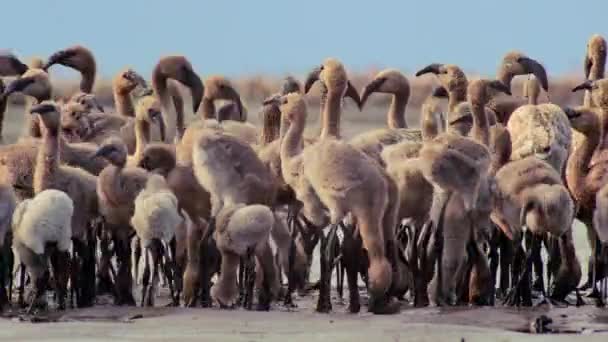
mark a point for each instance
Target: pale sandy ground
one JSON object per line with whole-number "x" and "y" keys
{"x": 105, "y": 323}
{"x": 163, "y": 324}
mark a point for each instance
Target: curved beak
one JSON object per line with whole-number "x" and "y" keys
{"x": 42, "y": 108}
{"x": 587, "y": 85}
{"x": 534, "y": 67}
{"x": 102, "y": 151}
{"x": 197, "y": 89}
{"x": 140, "y": 81}
{"x": 97, "y": 105}
{"x": 190, "y": 79}
{"x": 58, "y": 57}
{"x": 146, "y": 92}
{"x": 371, "y": 88}
{"x": 290, "y": 85}
{"x": 93, "y": 101}
{"x": 440, "y": 92}
{"x": 499, "y": 86}
{"x": 434, "y": 68}
{"x": 312, "y": 77}
{"x": 353, "y": 94}
{"x": 236, "y": 98}
{"x": 17, "y": 85}
{"x": 10, "y": 65}
{"x": 272, "y": 101}
{"x": 571, "y": 113}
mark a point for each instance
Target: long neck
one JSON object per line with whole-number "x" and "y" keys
{"x": 577, "y": 167}
{"x": 603, "y": 143}
{"x": 271, "y": 127}
{"x": 456, "y": 96}
{"x": 587, "y": 101}
{"x": 47, "y": 161}
{"x": 207, "y": 109}
{"x": 142, "y": 138}
{"x": 331, "y": 115}
{"x": 88, "y": 79}
{"x": 159, "y": 84}
{"x": 396, "y": 112}
{"x": 178, "y": 103}
{"x": 291, "y": 145}
{"x": 597, "y": 70}
{"x": 480, "y": 130}
{"x": 33, "y": 121}
{"x": 430, "y": 121}
{"x": 505, "y": 78}
{"x": 596, "y": 73}
{"x": 110, "y": 183}
{"x": 123, "y": 103}
{"x": 3, "y": 104}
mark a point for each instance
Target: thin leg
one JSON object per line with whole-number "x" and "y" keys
{"x": 169, "y": 271}
{"x": 288, "y": 301}
{"x": 208, "y": 259}
{"x": 327, "y": 256}
{"x": 40, "y": 284}
{"x": 21, "y": 299}
{"x": 11, "y": 265}
{"x": 124, "y": 280}
{"x": 537, "y": 263}
{"x": 264, "y": 259}
{"x": 104, "y": 281}
{"x": 145, "y": 277}
{"x": 350, "y": 253}
{"x": 136, "y": 259}
{"x": 156, "y": 262}
{"x": 521, "y": 292}
{"x": 249, "y": 279}
{"x": 60, "y": 261}
{"x": 3, "y": 278}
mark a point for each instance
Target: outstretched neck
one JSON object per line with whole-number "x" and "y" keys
{"x": 207, "y": 109}
{"x": 596, "y": 73}
{"x": 87, "y": 82}
{"x": 603, "y": 143}
{"x": 142, "y": 138}
{"x": 291, "y": 143}
{"x": 481, "y": 129}
{"x": 456, "y": 96}
{"x": 396, "y": 112}
{"x": 505, "y": 78}
{"x": 47, "y": 161}
{"x": 271, "y": 127}
{"x": 577, "y": 167}
{"x": 431, "y": 123}
{"x": 33, "y": 121}
{"x": 331, "y": 115}
{"x": 178, "y": 105}
{"x": 123, "y": 103}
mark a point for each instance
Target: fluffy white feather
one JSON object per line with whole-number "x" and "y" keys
{"x": 45, "y": 218}
{"x": 156, "y": 213}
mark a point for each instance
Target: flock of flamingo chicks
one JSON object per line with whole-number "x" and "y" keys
{"x": 223, "y": 212}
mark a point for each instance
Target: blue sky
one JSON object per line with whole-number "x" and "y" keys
{"x": 255, "y": 37}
